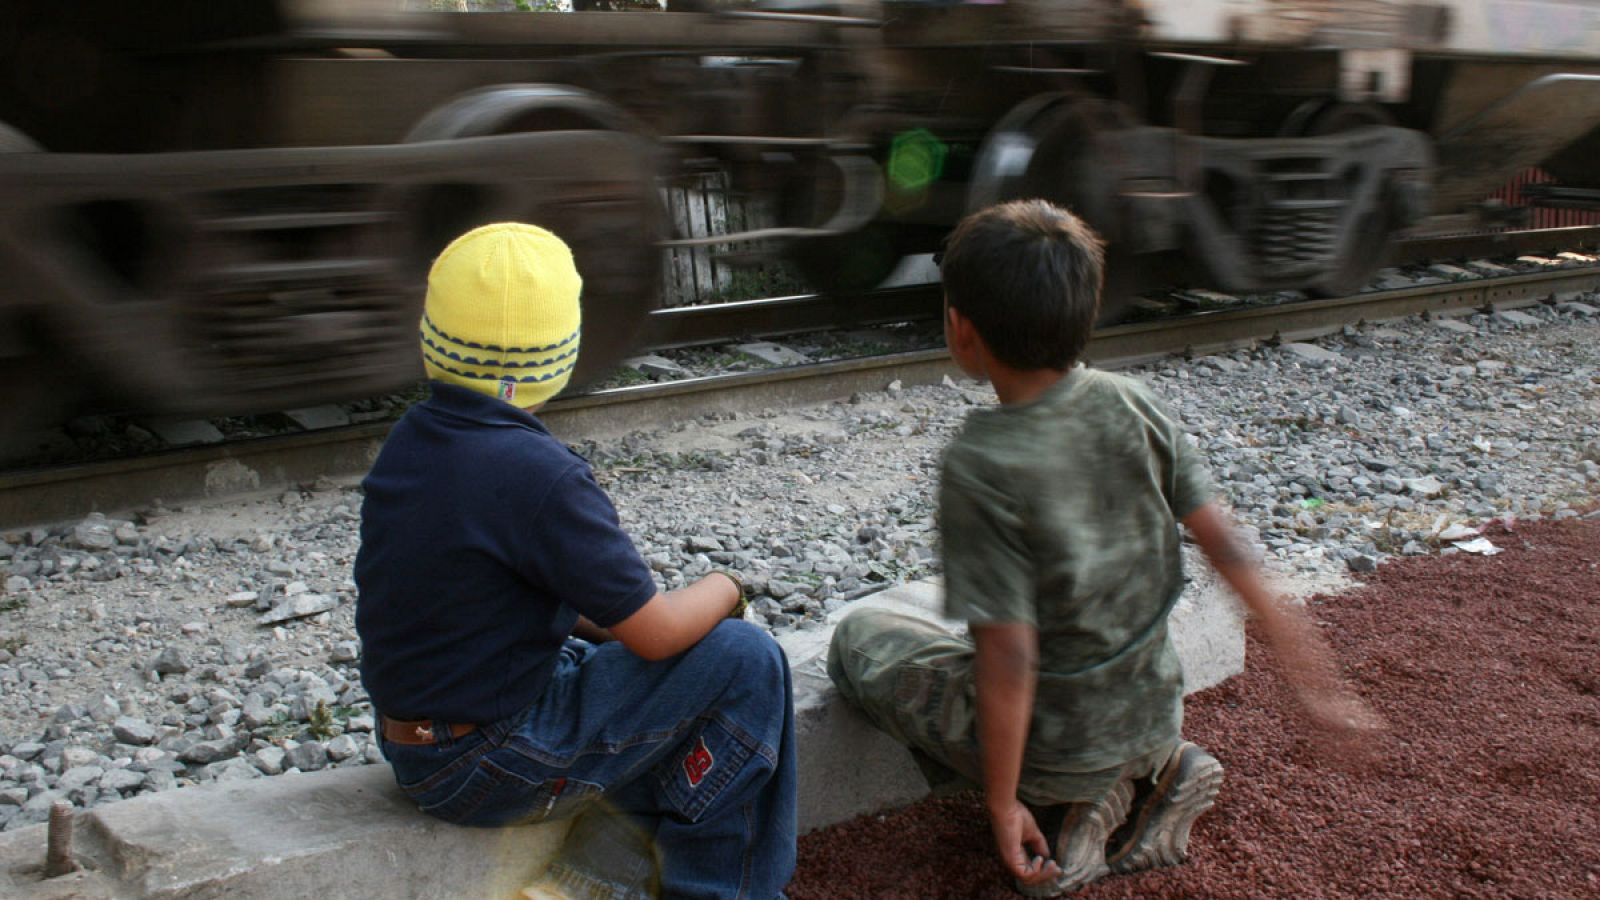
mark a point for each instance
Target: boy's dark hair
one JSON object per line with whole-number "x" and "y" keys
{"x": 1027, "y": 274}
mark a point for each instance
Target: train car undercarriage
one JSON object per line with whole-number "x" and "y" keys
{"x": 235, "y": 214}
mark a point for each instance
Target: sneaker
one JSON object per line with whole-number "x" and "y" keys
{"x": 1165, "y": 808}
{"x": 1079, "y": 844}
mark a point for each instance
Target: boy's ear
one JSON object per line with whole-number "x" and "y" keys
{"x": 963, "y": 340}
{"x": 958, "y": 328}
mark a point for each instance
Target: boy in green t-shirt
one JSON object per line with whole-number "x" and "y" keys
{"x": 1059, "y": 515}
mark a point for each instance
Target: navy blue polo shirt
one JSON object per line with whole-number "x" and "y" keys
{"x": 482, "y": 540}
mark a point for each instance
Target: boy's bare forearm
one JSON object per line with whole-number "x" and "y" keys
{"x": 1007, "y": 673}
{"x": 1299, "y": 649}
{"x": 1303, "y": 655}
{"x": 672, "y": 622}
{"x": 1006, "y": 670}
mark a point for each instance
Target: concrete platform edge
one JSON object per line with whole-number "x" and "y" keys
{"x": 351, "y": 833}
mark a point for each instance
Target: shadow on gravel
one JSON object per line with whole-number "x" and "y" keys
{"x": 1484, "y": 786}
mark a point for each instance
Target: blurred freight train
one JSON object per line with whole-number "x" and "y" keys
{"x": 212, "y": 208}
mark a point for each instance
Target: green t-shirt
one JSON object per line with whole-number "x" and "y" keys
{"x": 1062, "y": 514}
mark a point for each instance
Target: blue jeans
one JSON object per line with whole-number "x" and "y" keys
{"x": 681, "y": 770}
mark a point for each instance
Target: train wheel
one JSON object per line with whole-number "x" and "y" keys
{"x": 36, "y": 396}
{"x": 1321, "y": 117}
{"x": 849, "y": 263}
{"x": 1366, "y": 256}
{"x": 1374, "y": 230}
{"x": 1046, "y": 147}
{"x": 810, "y": 195}
{"x": 614, "y": 222}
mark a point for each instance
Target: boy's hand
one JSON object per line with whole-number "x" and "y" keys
{"x": 1021, "y": 845}
{"x": 1340, "y": 712}
{"x": 1306, "y": 660}
{"x": 1347, "y": 727}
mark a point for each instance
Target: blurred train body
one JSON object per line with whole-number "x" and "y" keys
{"x": 221, "y": 208}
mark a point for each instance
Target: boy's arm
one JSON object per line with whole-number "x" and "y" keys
{"x": 1007, "y": 672}
{"x": 1303, "y": 656}
{"x": 988, "y": 580}
{"x": 589, "y": 631}
{"x": 671, "y": 623}
{"x": 589, "y": 564}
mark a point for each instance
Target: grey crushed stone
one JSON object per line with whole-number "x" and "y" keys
{"x": 1373, "y": 442}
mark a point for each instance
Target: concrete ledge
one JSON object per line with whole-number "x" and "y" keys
{"x": 847, "y": 767}
{"x": 350, "y": 833}
{"x": 345, "y": 833}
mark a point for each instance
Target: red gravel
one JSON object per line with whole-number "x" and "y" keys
{"x": 1485, "y": 785}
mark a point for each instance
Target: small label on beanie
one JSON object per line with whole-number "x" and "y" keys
{"x": 506, "y": 390}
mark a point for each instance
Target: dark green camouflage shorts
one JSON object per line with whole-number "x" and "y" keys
{"x": 914, "y": 680}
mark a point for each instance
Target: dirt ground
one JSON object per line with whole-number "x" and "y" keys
{"x": 1485, "y": 784}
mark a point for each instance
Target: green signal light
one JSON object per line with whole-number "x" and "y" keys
{"x": 916, "y": 159}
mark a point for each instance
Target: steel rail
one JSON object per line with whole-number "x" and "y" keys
{"x": 276, "y": 463}
{"x": 691, "y": 326}
{"x": 688, "y": 326}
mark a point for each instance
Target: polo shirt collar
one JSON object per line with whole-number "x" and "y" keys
{"x": 482, "y": 409}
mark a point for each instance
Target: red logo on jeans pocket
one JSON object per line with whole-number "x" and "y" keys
{"x": 697, "y": 763}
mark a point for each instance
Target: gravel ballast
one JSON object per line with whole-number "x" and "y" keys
{"x": 172, "y": 647}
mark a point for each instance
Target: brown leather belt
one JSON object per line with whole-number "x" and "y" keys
{"x": 421, "y": 731}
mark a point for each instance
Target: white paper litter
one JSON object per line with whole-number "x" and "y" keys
{"x": 1480, "y": 546}
{"x": 1458, "y": 533}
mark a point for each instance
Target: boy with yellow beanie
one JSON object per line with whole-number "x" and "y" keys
{"x": 493, "y": 576}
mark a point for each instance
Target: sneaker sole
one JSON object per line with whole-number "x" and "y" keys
{"x": 1160, "y": 836}
{"x": 1085, "y": 863}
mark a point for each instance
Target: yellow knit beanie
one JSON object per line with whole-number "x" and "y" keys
{"x": 502, "y": 315}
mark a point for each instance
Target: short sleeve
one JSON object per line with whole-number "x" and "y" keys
{"x": 1182, "y": 470}
{"x": 578, "y": 553}
{"x": 1191, "y": 478}
{"x": 988, "y": 573}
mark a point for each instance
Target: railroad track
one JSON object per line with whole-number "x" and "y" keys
{"x": 189, "y": 474}
{"x": 690, "y": 326}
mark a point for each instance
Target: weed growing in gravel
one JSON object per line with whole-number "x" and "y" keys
{"x": 832, "y": 346}
{"x": 14, "y": 602}
{"x": 1298, "y": 423}
{"x": 701, "y": 360}
{"x": 621, "y": 377}
{"x": 13, "y": 644}
{"x": 320, "y": 723}
{"x": 694, "y": 460}
{"x": 323, "y": 723}
{"x": 281, "y": 726}
{"x": 609, "y": 468}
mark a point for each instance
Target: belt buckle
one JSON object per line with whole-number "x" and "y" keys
{"x": 424, "y": 732}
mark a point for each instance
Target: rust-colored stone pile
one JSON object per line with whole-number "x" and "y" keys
{"x": 1485, "y": 784}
